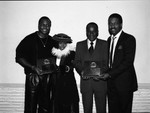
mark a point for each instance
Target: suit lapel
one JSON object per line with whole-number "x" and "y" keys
{"x": 97, "y": 45}
{"x": 109, "y": 39}
{"x": 118, "y": 45}
{"x": 85, "y": 47}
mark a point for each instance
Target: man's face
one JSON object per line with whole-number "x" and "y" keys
{"x": 92, "y": 33}
{"x": 44, "y": 26}
{"x": 114, "y": 26}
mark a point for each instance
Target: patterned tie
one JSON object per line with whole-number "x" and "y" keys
{"x": 111, "y": 52}
{"x": 91, "y": 49}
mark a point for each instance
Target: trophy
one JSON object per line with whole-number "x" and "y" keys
{"x": 45, "y": 65}
{"x": 92, "y": 69}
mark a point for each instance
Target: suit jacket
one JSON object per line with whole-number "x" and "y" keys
{"x": 123, "y": 76}
{"x": 82, "y": 54}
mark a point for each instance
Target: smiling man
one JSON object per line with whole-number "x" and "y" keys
{"x": 91, "y": 54}
{"x": 122, "y": 80}
{"x": 34, "y": 53}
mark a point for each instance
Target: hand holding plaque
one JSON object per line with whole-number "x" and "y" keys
{"x": 92, "y": 69}
{"x": 46, "y": 65}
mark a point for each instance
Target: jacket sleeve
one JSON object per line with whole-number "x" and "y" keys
{"x": 77, "y": 61}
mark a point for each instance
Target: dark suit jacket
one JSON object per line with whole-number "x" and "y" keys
{"x": 82, "y": 55}
{"x": 123, "y": 76}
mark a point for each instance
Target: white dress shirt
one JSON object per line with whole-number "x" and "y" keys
{"x": 115, "y": 43}
{"x": 89, "y": 43}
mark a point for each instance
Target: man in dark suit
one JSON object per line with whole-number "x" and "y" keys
{"x": 92, "y": 86}
{"x": 122, "y": 80}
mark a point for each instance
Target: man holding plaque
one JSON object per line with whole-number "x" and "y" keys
{"x": 122, "y": 80}
{"x": 90, "y": 63}
{"x": 34, "y": 54}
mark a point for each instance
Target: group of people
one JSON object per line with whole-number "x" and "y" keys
{"x": 106, "y": 69}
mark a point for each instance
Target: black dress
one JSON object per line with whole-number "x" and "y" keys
{"x": 66, "y": 93}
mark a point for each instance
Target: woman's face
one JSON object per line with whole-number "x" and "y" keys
{"x": 62, "y": 45}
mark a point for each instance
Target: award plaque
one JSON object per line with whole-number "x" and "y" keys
{"x": 92, "y": 69}
{"x": 45, "y": 65}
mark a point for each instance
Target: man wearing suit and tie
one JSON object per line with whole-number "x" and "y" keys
{"x": 122, "y": 80}
{"x": 92, "y": 86}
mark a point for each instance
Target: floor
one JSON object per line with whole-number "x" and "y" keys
{"x": 12, "y": 99}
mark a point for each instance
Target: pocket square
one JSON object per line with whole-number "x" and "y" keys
{"x": 120, "y": 47}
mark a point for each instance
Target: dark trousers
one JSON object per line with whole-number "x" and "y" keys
{"x": 63, "y": 107}
{"x": 100, "y": 101}
{"x": 67, "y": 108}
{"x": 119, "y": 102}
{"x": 38, "y": 94}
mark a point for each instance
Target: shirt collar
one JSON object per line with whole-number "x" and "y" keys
{"x": 89, "y": 43}
{"x": 117, "y": 35}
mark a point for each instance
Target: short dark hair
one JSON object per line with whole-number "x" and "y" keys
{"x": 92, "y": 24}
{"x": 46, "y": 18}
{"x": 116, "y": 15}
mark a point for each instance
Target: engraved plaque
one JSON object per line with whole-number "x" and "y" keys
{"x": 45, "y": 65}
{"x": 92, "y": 69}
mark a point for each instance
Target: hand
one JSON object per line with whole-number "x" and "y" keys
{"x": 98, "y": 78}
{"x": 106, "y": 76}
{"x": 37, "y": 70}
{"x": 84, "y": 77}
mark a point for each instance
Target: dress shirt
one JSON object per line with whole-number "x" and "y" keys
{"x": 115, "y": 43}
{"x": 89, "y": 43}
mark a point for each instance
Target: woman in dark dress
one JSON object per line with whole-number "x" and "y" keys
{"x": 66, "y": 92}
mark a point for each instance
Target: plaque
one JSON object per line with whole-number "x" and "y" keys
{"x": 45, "y": 65}
{"x": 92, "y": 69}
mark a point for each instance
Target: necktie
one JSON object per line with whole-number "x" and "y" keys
{"x": 91, "y": 49}
{"x": 111, "y": 52}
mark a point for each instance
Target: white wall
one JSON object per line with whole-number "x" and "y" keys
{"x": 18, "y": 19}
